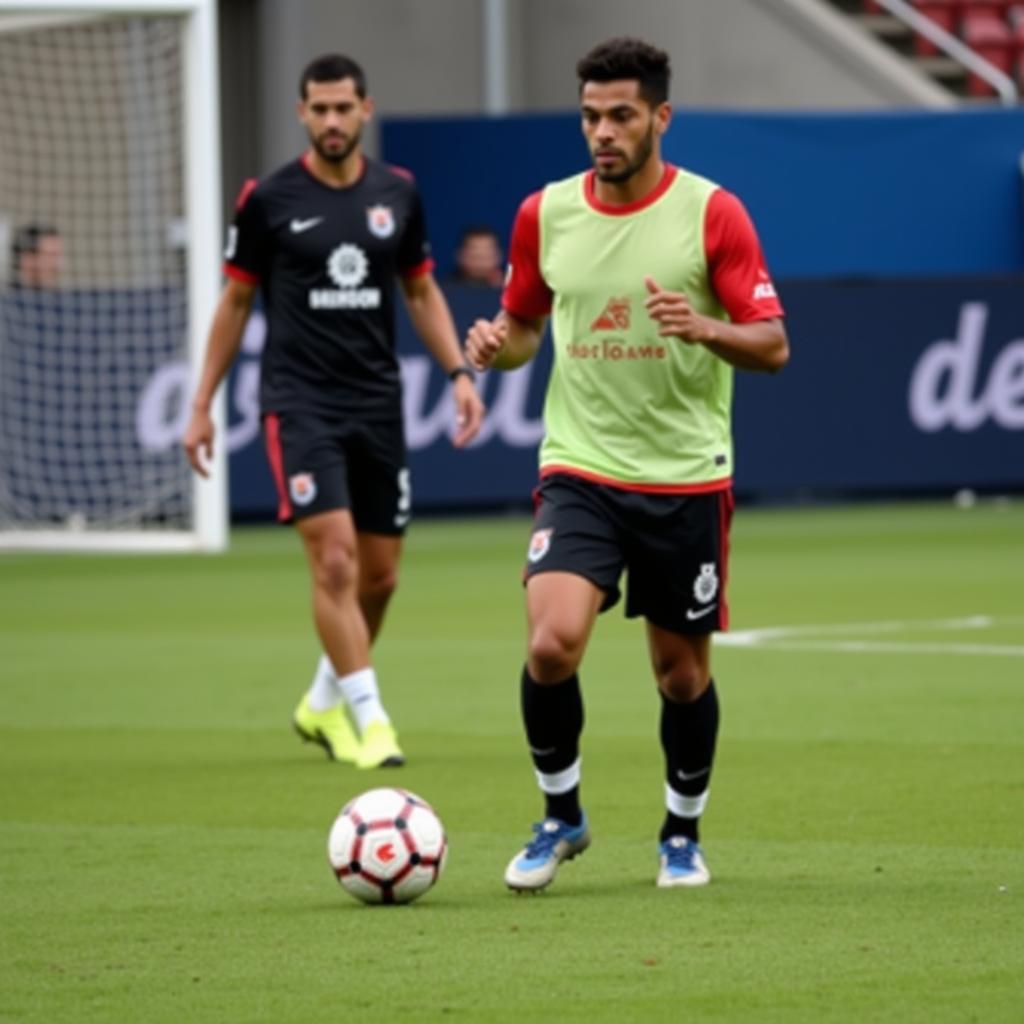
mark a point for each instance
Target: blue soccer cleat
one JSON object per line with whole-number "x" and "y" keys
{"x": 681, "y": 864}
{"x": 536, "y": 863}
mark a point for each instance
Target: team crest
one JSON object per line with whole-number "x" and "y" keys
{"x": 302, "y": 488}
{"x": 380, "y": 220}
{"x": 705, "y": 586}
{"x": 540, "y": 544}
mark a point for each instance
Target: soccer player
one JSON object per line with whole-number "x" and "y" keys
{"x": 657, "y": 289}
{"x": 325, "y": 237}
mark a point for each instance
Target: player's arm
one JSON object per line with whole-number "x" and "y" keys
{"x": 513, "y": 337}
{"x": 758, "y": 345}
{"x": 755, "y": 339}
{"x": 504, "y": 343}
{"x": 432, "y": 319}
{"x": 222, "y": 346}
{"x": 762, "y": 345}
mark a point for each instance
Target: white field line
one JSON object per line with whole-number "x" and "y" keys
{"x": 788, "y": 638}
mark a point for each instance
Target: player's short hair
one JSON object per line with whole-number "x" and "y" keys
{"x": 626, "y": 58}
{"x": 333, "y": 67}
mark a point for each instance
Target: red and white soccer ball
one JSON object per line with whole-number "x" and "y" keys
{"x": 387, "y": 846}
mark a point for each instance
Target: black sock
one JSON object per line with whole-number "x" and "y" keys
{"x": 688, "y": 734}
{"x": 553, "y": 718}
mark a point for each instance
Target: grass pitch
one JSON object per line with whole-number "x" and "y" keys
{"x": 163, "y": 831}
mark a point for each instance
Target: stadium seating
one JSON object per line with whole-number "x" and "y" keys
{"x": 990, "y": 37}
{"x": 945, "y": 14}
{"x": 994, "y": 29}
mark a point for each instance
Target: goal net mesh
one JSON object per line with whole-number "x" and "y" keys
{"x": 93, "y": 301}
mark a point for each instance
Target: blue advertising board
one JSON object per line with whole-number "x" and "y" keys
{"x": 906, "y": 193}
{"x": 893, "y": 387}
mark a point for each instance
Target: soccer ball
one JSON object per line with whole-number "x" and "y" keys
{"x": 387, "y": 846}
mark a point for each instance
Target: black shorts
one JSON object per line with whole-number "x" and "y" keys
{"x": 674, "y": 548}
{"x": 320, "y": 464}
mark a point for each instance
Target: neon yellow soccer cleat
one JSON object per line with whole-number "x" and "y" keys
{"x": 379, "y": 747}
{"x": 330, "y": 729}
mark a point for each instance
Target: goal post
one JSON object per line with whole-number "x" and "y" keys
{"x": 110, "y": 253}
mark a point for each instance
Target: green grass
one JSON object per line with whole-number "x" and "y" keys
{"x": 163, "y": 832}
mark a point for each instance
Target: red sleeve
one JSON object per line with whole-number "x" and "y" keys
{"x": 736, "y": 265}
{"x": 424, "y": 267}
{"x": 245, "y": 191}
{"x": 526, "y": 294}
{"x": 245, "y": 256}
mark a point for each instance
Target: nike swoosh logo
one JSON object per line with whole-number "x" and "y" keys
{"x": 401, "y": 520}
{"x": 542, "y": 753}
{"x": 691, "y": 614}
{"x": 685, "y": 776}
{"x": 298, "y": 226}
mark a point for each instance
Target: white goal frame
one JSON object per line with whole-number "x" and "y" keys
{"x": 202, "y": 204}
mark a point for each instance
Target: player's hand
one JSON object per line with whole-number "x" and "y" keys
{"x": 469, "y": 411}
{"x": 675, "y": 316}
{"x": 485, "y": 340}
{"x": 198, "y": 441}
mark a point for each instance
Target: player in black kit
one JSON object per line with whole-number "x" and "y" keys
{"x": 324, "y": 238}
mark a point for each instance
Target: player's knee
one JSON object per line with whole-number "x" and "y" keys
{"x": 553, "y": 654}
{"x": 683, "y": 682}
{"x": 335, "y": 567}
{"x": 379, "y": 586}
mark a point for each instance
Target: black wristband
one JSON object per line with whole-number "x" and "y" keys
{"x": 462, "y": 371}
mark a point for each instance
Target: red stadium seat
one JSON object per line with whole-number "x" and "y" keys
{"x": 990, "y": 37}
{"x": 945, "y": 14}
{"x": 997, "y": 8}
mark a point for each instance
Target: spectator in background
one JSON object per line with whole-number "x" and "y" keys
{"x": 37, "y": 257}
{"x": 478, "y": 259}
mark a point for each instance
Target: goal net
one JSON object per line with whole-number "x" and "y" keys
{"x": 109, "y": 268}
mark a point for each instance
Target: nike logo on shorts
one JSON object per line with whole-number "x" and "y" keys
{"x": 298, "y": 226}
{"x": 692, "y": 615}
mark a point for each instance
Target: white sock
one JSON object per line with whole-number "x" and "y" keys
{"x": 324, "y": 693}
{"x": 363, "y": 698}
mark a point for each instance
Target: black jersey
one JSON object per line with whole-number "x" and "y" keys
{"x": 326, "y": 261}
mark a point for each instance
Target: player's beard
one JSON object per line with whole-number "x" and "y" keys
{"x": 643, "y": 152}
{"x": 335, "y": 156}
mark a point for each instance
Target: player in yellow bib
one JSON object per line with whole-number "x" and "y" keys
{"x": 657, "y": 288}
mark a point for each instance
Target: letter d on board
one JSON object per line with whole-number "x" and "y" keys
{"x": 955, "y": 364}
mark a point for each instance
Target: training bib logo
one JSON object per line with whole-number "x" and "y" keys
{"x": 381, "y": 221}
{"x": 302, "y": 488}
{"x": 540, "y": 544}
{"x": 614, "y": 316}
{"x": 705, "y": 586}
